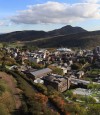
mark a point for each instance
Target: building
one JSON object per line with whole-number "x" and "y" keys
{"x": 96, "y": 50}
{"x": 79, "y": 74}
{"x": 39, "y": 73}
{"x": 64, "y": 50}
{"x": 35, "y": 59}
{"x": 58, "y": 82}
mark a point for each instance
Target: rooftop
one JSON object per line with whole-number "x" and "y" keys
{"x": 40, "y": 72}
{"x": 55, "y": 78}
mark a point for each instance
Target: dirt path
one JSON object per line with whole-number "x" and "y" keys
{"x": 15, "y": 91}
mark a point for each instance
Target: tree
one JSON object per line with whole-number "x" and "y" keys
{"x": 4, "y": 45}
{"x": 90, "y": 86}
{"x": 89, "y": 99}
{"x": 76, "y": 66}
{"x": 69, "y": 94}
{"x": 94, "y": 87}
{"x": 3, "y": 61}
{"x": 93, "y": 109}
{"x": 37, "y": 66}
{"x": 56, "y": 70}
{"x": 29, "y": 47}
{"x": 82, "y": 61}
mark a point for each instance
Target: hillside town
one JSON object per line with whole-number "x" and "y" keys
{"x": 74, "y": 73}
{"x": 59, "y": 68}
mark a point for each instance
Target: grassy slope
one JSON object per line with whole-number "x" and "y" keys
{"x": 7, "y": 103}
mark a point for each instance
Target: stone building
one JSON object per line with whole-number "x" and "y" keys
{"x": 59, "y": 83}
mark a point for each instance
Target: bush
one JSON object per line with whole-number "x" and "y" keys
{"x": 37, "y": 66}
{"x": 76, "y": 66}
{"x": 56, "y": 70}
{"x": 69, "y": 94}
{"x": 93, "y": 109}
{"x": 41, "y": 88}
{"x": 82, "y": 61}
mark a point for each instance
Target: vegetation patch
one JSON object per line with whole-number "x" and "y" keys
{"x": 7, "y": 103}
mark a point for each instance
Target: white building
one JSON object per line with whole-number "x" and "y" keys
{"x": 64, "y": 49}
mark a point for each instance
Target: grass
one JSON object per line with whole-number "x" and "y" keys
{"x": 7, "y": 97}
{"x": 4, "y": 84}
{"x": 95, "y": 93}
{"x": 94, "y": 71}
{"x": 14, "y": 44}
{"x": 7, "y": 102}
{"x": 3, "y": 110}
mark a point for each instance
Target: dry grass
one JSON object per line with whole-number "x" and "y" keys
{"x": 10, "y": 98}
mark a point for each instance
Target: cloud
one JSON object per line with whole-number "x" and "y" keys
{"x": 56, "y": 12}
{"x": 92, "y": 1}
{"x": 5, "y": 22}
{"x": 2, "y": 23}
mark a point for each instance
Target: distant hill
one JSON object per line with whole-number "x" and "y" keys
{"x": 33, "y": 35}
{"x": 22, "y": 36}
{"x": 66, "y": 36}
{"x": 81, "y": 40}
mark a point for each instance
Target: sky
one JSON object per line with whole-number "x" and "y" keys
{"x": 17, "y": 15}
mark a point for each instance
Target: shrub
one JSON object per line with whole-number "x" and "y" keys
{"x": 41, "y": 88}
{"x": 76, "y": 66}
{"x": 56, "y": 70}
{"x": 69, "y": 94}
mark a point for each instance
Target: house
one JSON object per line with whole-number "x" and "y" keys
{"x": 39, "y": 73}
{"x": 34, "y": 59}
{"x": 70, "y": 62}
{"x": 68, "y": 68}
{"x": 79, "y": 74}
{"x": 58, "y": 82}
{"x": 64, "y": 70}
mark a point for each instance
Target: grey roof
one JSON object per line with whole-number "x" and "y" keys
{"x": 49, "y": 78}
{"x": 55, "y": 79}
{"x": 41, "y": 72}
